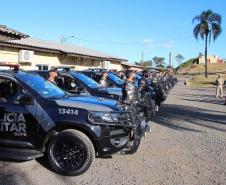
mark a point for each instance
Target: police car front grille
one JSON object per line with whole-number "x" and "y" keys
{"x": 125, "y": 119}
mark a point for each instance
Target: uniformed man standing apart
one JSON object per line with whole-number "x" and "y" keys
{"x": 219, "y": 88}
{"x": 103, "y": 80}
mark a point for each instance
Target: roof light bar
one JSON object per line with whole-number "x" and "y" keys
{"x": 13, "y": 65}
{"x": 9, "y": 64}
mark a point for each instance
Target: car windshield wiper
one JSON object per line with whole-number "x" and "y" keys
{"x": 56, "y": 97}
{"x": 101, "y": 87}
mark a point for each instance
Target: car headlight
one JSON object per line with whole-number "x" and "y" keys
{"x": 120, "y": 107}
{"x": 104, "y": 117}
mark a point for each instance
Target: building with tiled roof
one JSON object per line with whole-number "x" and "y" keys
{"x": 7, "y": 33}
{"x": 41, "y": 54}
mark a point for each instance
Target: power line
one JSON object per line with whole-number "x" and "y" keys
{"x": 137, "y": 42}
{"x": 134, "y": 43}
{"x": 107, "y": 42}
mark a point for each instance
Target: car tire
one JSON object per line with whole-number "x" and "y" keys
{"x": 70, "y": 153}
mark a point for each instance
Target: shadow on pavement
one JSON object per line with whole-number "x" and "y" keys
{"x": 11, "y": 175}
{"x": 43, "y": 161}
{"x": 205, "y": 100}
{"x": 182, "y": 118}
{"x": 195, "y": 95}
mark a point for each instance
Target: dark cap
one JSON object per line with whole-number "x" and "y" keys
{"x": 53, "y": 70}
{"x": 128, "y": 73}
{"x": 144, "y": 72}
{"x": 104, "y": 72}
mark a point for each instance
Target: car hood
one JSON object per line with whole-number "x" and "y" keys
{"x": 89, "y": 103}
{"x": 116, "y": 91}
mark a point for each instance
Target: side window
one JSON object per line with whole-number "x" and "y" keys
{"x": 110, "y": 82}
{"x": 38, "y": 67}
{"x": 70, "y": 83}
{"x": 96, "y": 78}
{"x": 45, "y": 67}
{"x": 8, "y": 90}
{"x": 42, "y": 67}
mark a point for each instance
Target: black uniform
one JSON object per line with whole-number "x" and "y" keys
{"x": 130, "y": 97}
{"x": 144, "y": 89}
{"x": 129, "y": 92}
{"x": 143, "y": 85}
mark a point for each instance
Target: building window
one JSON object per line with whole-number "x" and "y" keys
{"x": 93, "y": 62}
{"x": 42, "y": 67}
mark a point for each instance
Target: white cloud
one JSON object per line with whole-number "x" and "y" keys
{"x": 81, "y": 45}
{"x": 167, "y": 45}
{"x": 147, "y": 41}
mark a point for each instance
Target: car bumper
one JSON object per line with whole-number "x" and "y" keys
{"x": 124, "y": 140}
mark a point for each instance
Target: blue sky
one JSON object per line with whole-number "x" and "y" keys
{"x": 123, "y": 28}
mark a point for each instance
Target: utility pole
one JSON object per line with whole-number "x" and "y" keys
{"x": 142, "y": 58}
{"x": 64, "y": 39}
{"x": 170, "y": 59}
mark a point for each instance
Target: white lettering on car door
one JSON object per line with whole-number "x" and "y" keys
{"x": 13, "y": 123}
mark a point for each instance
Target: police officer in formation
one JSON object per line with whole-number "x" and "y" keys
{"x": 145, "y": 91}
{"x": 143, "y": 84}
{"x": 129, "y": 91}
{"x": 103, "y": 80}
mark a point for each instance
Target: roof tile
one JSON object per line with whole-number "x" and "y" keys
{"x": 69, "y": 49}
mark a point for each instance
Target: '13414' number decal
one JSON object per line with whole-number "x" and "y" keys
{"x": 68, "y": 111}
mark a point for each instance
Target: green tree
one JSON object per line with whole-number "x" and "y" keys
{"x": 200, "y": 54}
{"x": 159, "y": 61}
{"x": 161, "y": 66}
{"x": 169, "y": 67}
{"x": 148, "y": 63}
{"x": 208, "y": 28}
{"x": 179, "y": 58}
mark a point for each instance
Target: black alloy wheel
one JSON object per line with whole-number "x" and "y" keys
{"x": 70, "y": 153}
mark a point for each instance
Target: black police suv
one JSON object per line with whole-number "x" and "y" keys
{"x": 37, "y": 118}
{"x": 76, "y": 82}
{"x": 112, "y": 79}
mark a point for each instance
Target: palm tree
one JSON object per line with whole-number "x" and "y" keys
{"x": 208, "y": 27}
{"x": 159, "y": 61}
{"x": 179, "y": 58}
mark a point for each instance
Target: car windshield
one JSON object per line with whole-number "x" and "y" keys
{"x": 43, "y": 87}
{"x": 115, "y": 78}
{"x": 138, "y": 77}
{"x": 86, "y": 80}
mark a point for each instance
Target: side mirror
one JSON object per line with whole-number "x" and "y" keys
{"x": 111, "y": 85}
{"x": 24, "y": 99}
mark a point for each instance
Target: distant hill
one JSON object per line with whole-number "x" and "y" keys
{"x": 187, "y": 63}
{"x": 189, "y": 68}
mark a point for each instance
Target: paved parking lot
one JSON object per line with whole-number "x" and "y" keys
{"x": 187, "y": 146}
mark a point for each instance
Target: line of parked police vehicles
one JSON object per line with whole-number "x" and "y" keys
{"x": 76, "y": 120}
